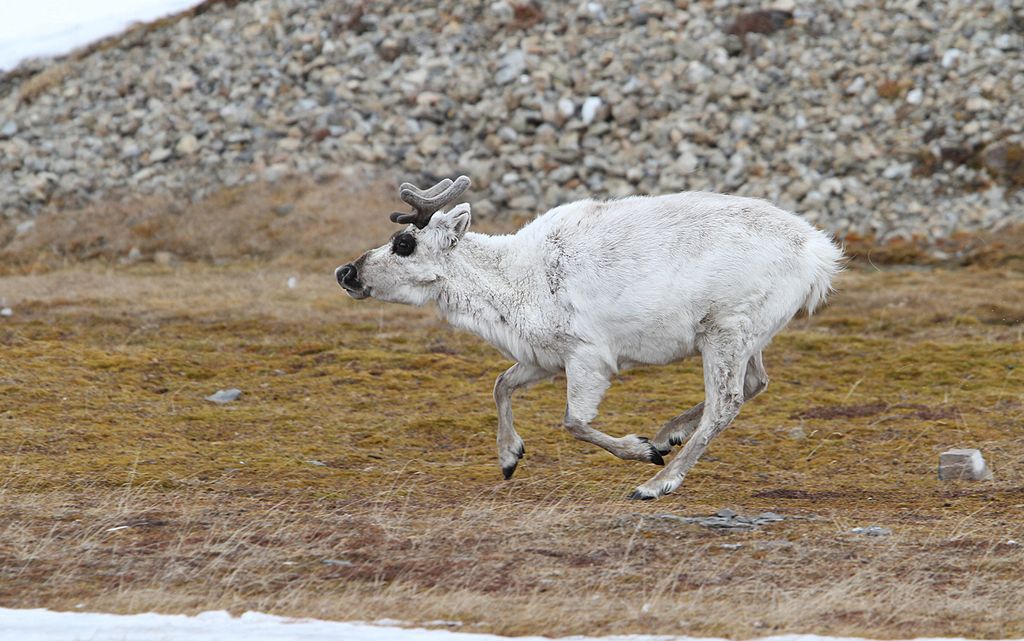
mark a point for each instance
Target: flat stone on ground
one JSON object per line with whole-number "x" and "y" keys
{"x": 963, "y": 464}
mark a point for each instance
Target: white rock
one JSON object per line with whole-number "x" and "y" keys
{"x": 6, "y": 311}
{"x": 1008, "y": 41}
{"x": 915, "y": 96}
{"x": 687, "y": 162}
{"x": 950, "y": 57}
{"x": 963, "y": 464}
{"x": 293, "y": 282}
{"x": 24, "y": 227}
{"x": 856, "y": 86}
{"x": 159, "y": 154}
{"x": 589, "y": 110}
{"x": 512, "y": 65}
{"x": 977, "y": 103}
{"x": 566, "y": 107}
{"x": 225, "y": 396}
{"x": 831, "y": 186}
{"x": 187, "y": 145}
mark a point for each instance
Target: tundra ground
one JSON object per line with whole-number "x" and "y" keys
{"x": 356, "y": 477}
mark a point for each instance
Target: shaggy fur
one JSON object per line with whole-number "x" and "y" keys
{"x": 590, "y": 288}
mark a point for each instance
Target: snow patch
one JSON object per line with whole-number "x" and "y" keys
{"x": 45, "y": 625}
{"x": 55, "y": 27}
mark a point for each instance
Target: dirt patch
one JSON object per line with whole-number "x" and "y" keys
{"x": 830, "y": 412}
{"x": 804, "y": 495}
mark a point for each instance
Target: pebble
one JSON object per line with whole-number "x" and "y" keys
{"x": 6, "y": 311}
{"x": 872, "y": 530}
{"x": 950, "y": 57}
{"x": 589, "y": 110}
{"x": 727, "y": 519}
{"x": 963, "y": 464}
{"x": 225, "y": 396}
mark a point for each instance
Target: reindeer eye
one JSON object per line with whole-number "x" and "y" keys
{"x": 403, "y": 245}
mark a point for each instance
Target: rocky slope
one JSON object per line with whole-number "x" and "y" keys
{"x": 872, "y": 120}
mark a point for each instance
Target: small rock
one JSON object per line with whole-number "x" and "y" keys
{"x": 963, "y": 464}
{"x": 589, "y": 110}
{"x": 512, "y": 65}
{"x": 872, "y": 530}
{"x": 567, "y": 108}
{"x": 9, "y": 129}
{"x": 1008, "y": 41}
{"x": 293, "y": 282}
{"x": 225, "y": 396}
{"x": 163, "y": 258}
{"x": 159, "y": 154}
{"x": 24, "y": 227}
{"x": 856, "y": 86}
{"x": 915, "y": 96}
{"x": 950, "y": 57}
{"x": 283, "y": 209}
{"x": 6, "y": 311}
{"x": 339, "y": 562}
{"x": 390, "y": 49}
{"x": 187, "y": 145}
{"x": 317, "y": 463}
{"x": 625, "y": 112}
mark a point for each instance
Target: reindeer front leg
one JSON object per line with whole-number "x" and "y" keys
{"x": 510, "y": 445}
{"x": 587, "y": 379}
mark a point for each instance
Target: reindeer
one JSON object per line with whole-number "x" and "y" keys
{"x": 593, "y": 287}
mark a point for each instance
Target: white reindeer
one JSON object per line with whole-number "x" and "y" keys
{"x": 592, "y": 287}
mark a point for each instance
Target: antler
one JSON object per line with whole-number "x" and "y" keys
{"x": 426, "y": 203}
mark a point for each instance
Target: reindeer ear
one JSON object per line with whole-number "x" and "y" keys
{"x": 457, "y": 220}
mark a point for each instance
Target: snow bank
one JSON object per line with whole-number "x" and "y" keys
{"x": 31, "y": 28}
{"x": 44, "y": 625}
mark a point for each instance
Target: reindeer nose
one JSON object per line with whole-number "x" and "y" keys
{"x": 345, "y": 274}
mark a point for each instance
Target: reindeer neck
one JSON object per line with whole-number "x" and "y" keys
{"x": 478, "y": 287}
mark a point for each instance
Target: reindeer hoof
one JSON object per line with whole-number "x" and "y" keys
{"x": 508, "y": 470}
{"x": 637, "y": 495}
{"x": 653, "y": 454}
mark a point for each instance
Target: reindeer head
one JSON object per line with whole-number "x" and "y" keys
{"x": 406, "y": 269}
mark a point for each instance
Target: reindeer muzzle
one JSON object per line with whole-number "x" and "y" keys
{"x": 348, "y": 278}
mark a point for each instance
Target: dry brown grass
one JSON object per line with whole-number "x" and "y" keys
{"x": 307, "y": 222}
{"x": 104, "y": 426}
{"x": 355, "y": 479}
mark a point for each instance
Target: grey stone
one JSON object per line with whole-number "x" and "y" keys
{"x": 872, "y": 530}
{"x": 9, "y": 129}
{"x": 512, "y": 65}
{"x": 187, "y": 145}
{"x": 224, "y": 396}
{"x": 963, "y": 464}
